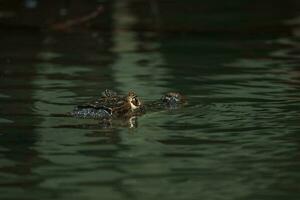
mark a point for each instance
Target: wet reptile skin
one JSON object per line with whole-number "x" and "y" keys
{"x": 110, "y": 105}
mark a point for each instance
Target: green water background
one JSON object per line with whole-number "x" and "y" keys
{"x": 237, "y": 62}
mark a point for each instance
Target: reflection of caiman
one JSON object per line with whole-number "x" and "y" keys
{"x": 111, "y": 105}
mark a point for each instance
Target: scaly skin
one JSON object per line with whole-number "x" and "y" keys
{"x": 91, "y": 113}
{"x": 110, "y": 105}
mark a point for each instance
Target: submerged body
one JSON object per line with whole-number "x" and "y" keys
{"x": 111, "y": 105}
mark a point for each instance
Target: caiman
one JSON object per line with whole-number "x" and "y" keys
{"x": 111, "y": 105}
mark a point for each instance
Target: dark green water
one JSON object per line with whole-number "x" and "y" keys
{"x": 237, "y": 139}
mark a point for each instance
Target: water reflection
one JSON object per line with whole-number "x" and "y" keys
{"x": 18, "y": 139}
{"x": 139, "y": 61}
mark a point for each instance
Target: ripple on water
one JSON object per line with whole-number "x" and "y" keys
{"x": 6, "y": 121}
{"x": 4, "y": 96}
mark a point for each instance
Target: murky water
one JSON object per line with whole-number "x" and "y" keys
{"x": 237, "y": 139}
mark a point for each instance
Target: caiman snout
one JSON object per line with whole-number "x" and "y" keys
{"x": 173, "y": 99}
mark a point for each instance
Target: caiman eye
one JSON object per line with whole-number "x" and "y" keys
{"x": 135, "y": 101}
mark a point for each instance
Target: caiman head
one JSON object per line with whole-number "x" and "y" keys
{"x": 129, "y": 106}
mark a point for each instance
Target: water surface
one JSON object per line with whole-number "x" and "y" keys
{"x": 238, "y": 138}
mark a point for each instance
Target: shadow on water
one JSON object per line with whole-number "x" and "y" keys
{"x": 236, "y": 139}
